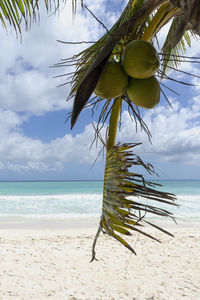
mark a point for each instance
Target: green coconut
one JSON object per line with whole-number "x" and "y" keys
{"x": 112, "y": 82}
{"x": 144, "y": 92}
{"x": 140, "y": 59}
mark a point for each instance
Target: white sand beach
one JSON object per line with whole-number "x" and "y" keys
{"x": 39, "y": 263}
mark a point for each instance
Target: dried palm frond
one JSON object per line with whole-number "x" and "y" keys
{"x": 124, "y": 209}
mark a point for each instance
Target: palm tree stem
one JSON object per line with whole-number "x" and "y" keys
{"x": 114, "y": 118}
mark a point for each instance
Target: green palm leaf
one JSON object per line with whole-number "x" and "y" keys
{"x": 173, "y": 55}
{"x": 124, "y": 208}
{"x": 12, "y": 12}
{"x": 160, "y": 18}
{"x": 184, "y": 26}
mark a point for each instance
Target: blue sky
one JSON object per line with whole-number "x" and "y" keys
{"x": 35, "y": 141}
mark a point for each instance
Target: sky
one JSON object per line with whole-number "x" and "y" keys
{"x": 36, "y": 142}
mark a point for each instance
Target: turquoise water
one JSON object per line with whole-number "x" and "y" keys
{"x": 63, "y": 199}
{"x": 50, "y": 187}
{"x": 181, "y": 187}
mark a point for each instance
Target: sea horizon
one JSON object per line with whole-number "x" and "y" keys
{"x": 46, "y": 180}
{"x": 64, "y": 199}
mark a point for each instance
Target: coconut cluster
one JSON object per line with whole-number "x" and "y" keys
{"x": 135, "y": 74}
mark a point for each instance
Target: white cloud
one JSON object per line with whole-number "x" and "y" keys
{"x": 26, "y": 83}
{"x": 176, "y": 137}
{"x": 175, "y": 133}
{"x": 9, "y": 120}
{"x": 26, "y": 86}
{"x": 21, "y": 153}
{"x": 32, "y": 92}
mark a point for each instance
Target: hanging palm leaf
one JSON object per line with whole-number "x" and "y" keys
{"x": 124, "y": 208}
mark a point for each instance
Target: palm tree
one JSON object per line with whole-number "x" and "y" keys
{"x": 141, "y": 19}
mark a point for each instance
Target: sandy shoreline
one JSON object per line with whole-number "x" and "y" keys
{"x": 54, "y": 264}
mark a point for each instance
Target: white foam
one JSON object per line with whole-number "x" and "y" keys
{"x": 189, "y": 197}
{"x": 80, "y": 205}
{"x": 59, "y": 216}
{"x": 50, "y": 197}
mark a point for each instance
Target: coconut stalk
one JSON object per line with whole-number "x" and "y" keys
{"x": 114, "y": 119}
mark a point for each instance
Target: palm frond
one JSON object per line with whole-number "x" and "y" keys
{"x": 160, "y": 18}
{"x": 124, "y": 209}
{"x": 173, "y": 56}
{"x": 13, "y": 12}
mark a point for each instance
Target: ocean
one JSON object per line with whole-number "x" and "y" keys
{"x": 82, "y": 199}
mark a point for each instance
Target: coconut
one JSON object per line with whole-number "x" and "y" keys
{"x": 112, "y": 82}
{"x": 140, "y": 59}
{"x": 144, "y": 92}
